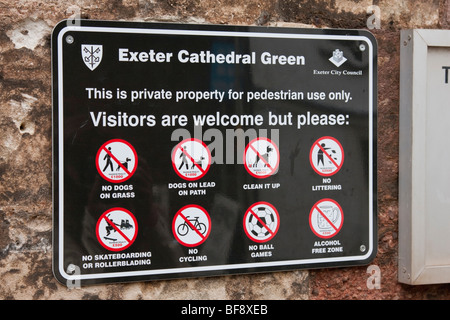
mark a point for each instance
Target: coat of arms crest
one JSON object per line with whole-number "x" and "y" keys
{"x": 92, "y": 55}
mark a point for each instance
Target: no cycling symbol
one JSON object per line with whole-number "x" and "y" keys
{"x": 326, "y": 156}
{"x": 261, "y": 158}
{"x": 116, "y": 160}
{"x": 116, "y": 229}
{"x": 191, "y": 225}
{"x": 191, "y": 159}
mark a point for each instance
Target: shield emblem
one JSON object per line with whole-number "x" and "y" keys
{"x": 92, "y": 55}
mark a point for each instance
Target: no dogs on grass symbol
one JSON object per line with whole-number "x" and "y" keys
{"x": 116, "y": 160}
{"x": 191, "y": 159}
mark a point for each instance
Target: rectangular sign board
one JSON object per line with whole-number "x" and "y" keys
{"x": 199, "y": 150}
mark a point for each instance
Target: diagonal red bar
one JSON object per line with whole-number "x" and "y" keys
{"x": 116, "y": 228}
{"x": 259, "y": 156}
{"x": 193, "y": 161}
{"x": 191, "y": 225}
{"x": 328, "y": 156}
{"x": 116, "y": 160}
{"x": 260, "y": 221}
{"x": 325, "y": 217}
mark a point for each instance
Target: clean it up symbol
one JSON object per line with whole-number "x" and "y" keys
{"x": 338, "y": 58}
{"x": 92, "y": 55}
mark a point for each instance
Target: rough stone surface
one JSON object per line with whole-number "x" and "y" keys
{"x": 26, "y": 152}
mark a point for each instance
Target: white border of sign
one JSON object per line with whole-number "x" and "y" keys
{"x": 216, "y": 33}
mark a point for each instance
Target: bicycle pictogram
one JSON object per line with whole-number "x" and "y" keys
{"x": 186, "y": 227}
{"x": 191, "y": 225}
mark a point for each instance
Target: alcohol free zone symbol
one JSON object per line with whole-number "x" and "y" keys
{"x": 191, "y": 159}
{"x": 326, "y": 218}
{"x": 116, "y": 229}
{"x": 191, "y": 225}
{"x": 116, "y": 160}
{"x": 326, "y": 156}
{"x": 261, "y": 158}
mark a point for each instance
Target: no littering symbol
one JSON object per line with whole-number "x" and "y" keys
{"x": 326, "y": 156}
{"x": 116, "y": 160}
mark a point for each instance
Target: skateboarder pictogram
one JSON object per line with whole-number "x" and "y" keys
{"x": 116, "y": 160}
{"x": 116, "y": 236}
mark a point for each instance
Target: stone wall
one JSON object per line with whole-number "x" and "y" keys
{"x": 26, "y": 144}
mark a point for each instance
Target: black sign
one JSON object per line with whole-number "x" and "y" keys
{"x": 198, "y": 150}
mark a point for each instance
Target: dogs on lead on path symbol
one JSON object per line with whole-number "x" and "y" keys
{"x": 264, "y": 157}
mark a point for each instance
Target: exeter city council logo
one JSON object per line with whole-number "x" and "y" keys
{"x": 338, "y": 58}
{"x": 92, "y": 55}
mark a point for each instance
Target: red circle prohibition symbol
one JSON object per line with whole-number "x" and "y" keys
{"x": 257, "y": 162}
{"x": 191, "y": 166}
{"x": 123, "y": 172}
{"x": 319, "y": 147}
{"x": 326, "y": 218}
{"x": 191, "y": 225}
{"x": 261, "y": 222}
{"x": 114, "y": 236}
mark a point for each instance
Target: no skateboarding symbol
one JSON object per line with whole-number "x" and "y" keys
{"x": 261, "y": 221}
{"x": 326, "y": 156}
{"x": 116, "y": 229}
{"x": 326, "y": 218}
{"x": 116, "y": 160}
{"x": 191, "y": 159}
{"x": 261, "y": 157}
{"x": 191, "y": 225}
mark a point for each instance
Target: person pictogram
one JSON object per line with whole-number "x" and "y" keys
{"x": 183, "y": 159}
{"x": 109, "y": 163}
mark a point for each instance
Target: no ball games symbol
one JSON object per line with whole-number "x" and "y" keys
{"x": 326, "y": 218}
{"x": 261, "y": 221}
{"x": 326, "y": 156}
{"x": 191, "y": 159}
{"x": 191, "y": 225}
{"x": 116, "y": 229}
{"x": 261, "y": 157}
{"x": 116, "y": 160}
